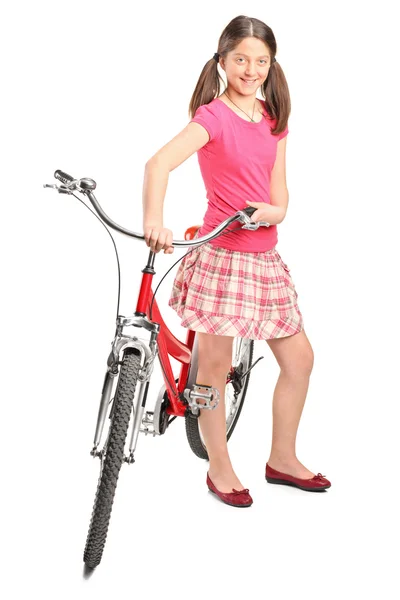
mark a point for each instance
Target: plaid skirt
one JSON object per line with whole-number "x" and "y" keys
{"x": 228, "y": 292}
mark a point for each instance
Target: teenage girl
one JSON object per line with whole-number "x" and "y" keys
{"x": 238, "y": 284}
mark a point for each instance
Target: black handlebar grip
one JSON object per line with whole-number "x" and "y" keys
{"x": 63, "y": 177}
{"x": 249, "y": 210}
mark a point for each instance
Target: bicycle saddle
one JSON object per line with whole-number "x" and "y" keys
{"x": 191, "y": 232}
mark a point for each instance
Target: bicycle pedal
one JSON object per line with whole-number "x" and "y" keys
{"x": 201, "y": 400}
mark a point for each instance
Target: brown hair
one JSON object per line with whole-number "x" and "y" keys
{"x": 274, "y": 89}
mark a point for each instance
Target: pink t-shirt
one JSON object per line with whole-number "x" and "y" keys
{"x": 236, "y": 165}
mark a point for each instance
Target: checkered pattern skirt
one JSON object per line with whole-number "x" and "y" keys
{"x": 228, "y": 292}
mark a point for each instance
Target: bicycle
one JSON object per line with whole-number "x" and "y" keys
{"x": 178, "y": 397}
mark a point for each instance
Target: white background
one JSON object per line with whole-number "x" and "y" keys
{"x": 95, "y": 89}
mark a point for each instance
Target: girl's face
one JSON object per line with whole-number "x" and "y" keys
{"x": 247, "y": 66}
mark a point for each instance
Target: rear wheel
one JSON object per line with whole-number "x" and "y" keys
{"x": 235, "y": 392}
{"x": 113, "y": 456}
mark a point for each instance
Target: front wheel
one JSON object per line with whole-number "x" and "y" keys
{"x": 235, "y": 392}
{"x": 113, "y": 456}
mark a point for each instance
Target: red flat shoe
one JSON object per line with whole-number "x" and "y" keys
{"x": 240, "y": 498}
{"x": 315, "y": 484}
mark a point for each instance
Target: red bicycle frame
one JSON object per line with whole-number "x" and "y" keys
{"x": 168, "y": 344}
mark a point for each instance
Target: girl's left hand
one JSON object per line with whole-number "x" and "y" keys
{"x": 265, "y": 212}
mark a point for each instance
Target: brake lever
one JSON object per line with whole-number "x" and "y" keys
{"x": 248, "y": 223}
{"x": 62, "y": 189}
{"x": 256, "y": 225}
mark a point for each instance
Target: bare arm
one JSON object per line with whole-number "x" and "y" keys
{"x": 278, "y": 188}
{"x": 157, "y": 170}
{"x": 275, "y": 211}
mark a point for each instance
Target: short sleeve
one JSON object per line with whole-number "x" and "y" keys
{"x": 283, "y": 134}
{"x": 207, "y": 116}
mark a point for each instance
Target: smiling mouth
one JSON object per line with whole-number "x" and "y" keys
{"x": 248, "y": 81}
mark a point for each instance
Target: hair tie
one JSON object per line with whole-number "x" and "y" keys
{"x": 274, "y": 59}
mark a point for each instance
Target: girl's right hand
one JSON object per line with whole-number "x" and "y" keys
{"x": 158, "y": 238}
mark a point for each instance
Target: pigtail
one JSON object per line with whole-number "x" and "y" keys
{"x": 277, "y": 98}
{"x": 207, "y": 87}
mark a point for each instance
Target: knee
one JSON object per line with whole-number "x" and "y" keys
{"x": 302, "y": 365}
{"x": 217, "y": 364}
{"x": 308, "y": 362}
{"x": 215, "y": 354}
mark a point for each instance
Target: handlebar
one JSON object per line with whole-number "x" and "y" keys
{"x": 87, "y": 185}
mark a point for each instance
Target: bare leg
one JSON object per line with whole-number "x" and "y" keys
{"x": 295, "y": 358}
{"x": 215, "y": 358}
